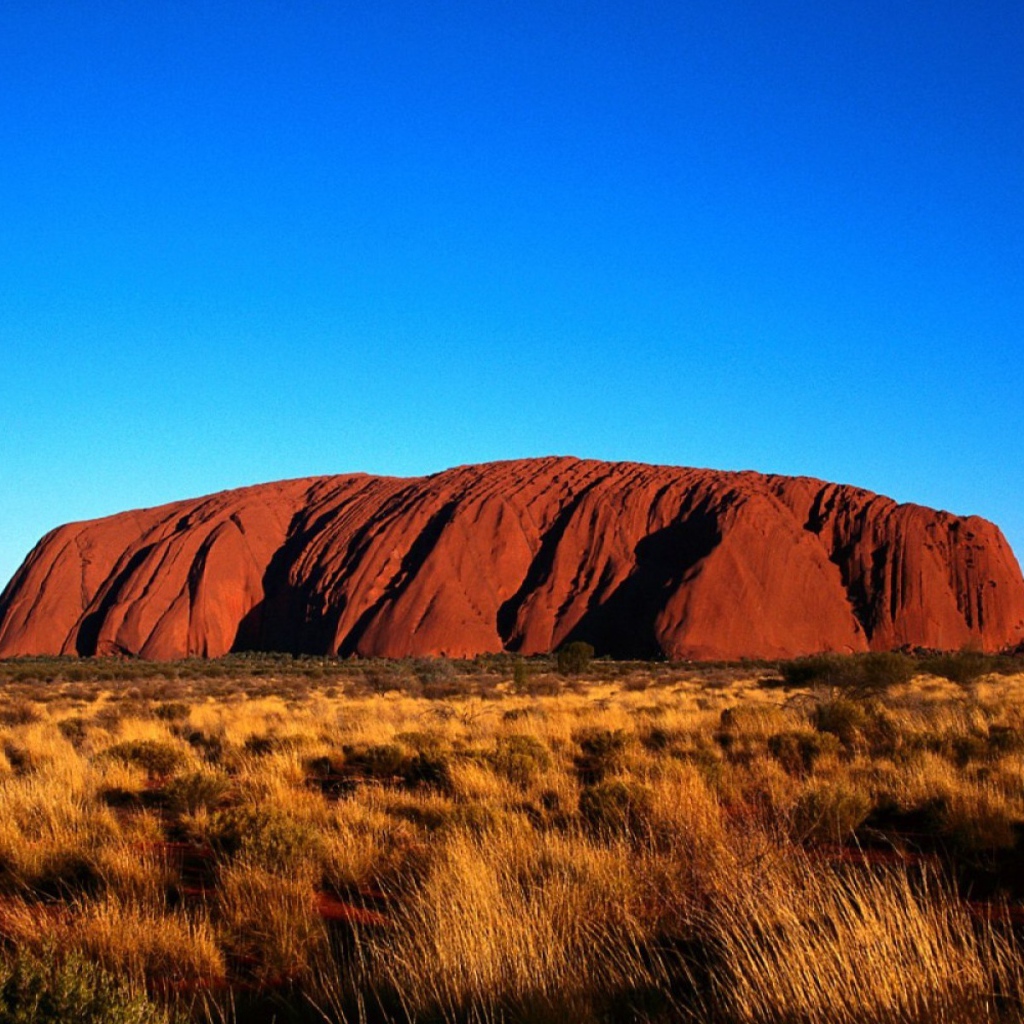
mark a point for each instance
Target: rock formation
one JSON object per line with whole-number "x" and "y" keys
{"x": 522, "y": 556}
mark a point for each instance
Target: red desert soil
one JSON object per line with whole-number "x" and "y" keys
{"x": 638, "y": 560}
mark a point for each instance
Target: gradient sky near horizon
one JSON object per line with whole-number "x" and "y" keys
{"x": 247, "y": 241}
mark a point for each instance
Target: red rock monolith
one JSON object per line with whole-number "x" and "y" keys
{"x": 520, "y": 556}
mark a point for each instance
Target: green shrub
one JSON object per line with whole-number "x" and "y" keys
{"x": 155, "y": 756}
{"x": 574, "y": 658}
{"x": 188, "y": 793}
{"x": 962, "y": 668}
{"x": 843, "y": 718}
{"x": 69, "y": 990}
{"x": 73, "y": 729}
{"x": 172, "y": 710}
{"x": 857, "y": 674}
{"x": 473, "y": 817}
{"x": 816, "y": 670}
{"x": 658, "y": 739}
{"x": 602, "y": 751}
{"x": 427, "y": 770}
{"x": 829, "y": 812}
{"x": 381, "y": 761}
{"x": 520, "y": 759}
{"x": 266, "y": 837}
{"x": 882, "y": 669}
{"x": 434, "y": 671}
{"x": 616, "y": 807}
{"x": 261, "y": 744}
{"x": 520, "y": 675}
{"x": 207, "y": 745}
{"x": 798, "y": 749}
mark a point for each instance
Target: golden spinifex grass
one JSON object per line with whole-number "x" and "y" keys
{"x": 653, "y": 842}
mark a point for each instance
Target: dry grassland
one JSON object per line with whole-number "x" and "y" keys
{"x": 483, "y": 842}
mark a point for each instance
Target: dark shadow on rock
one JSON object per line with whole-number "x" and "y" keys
{"x": 89, "y": 630}
{"x": 539, "y": 571}
{"x": 413, "y": 561}
{"x": 623, "y": 625}
{"x": 281, "y": 621}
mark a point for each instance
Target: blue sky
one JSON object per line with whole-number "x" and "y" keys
{"x": 247, "y": 241}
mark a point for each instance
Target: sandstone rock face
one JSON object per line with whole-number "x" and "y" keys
{"x": 521, "y": 556}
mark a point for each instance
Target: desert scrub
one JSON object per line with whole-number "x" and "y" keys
{"x": 520, "y": 758}
{"x": 861, "y": 675}
{"x": 268, "y": 838}
{"x": 602, "y": 752}
{"x": 843, "y": 717}
{"x": 520, "y": 925}
{"x": 206, "y": 789}
{"x": 52, "y": 989}
{"x": 616, "y": 807}
{"x": 154, "y": 756}
{"x": 268, "y": 922}
{"x": 574, "y": 658}
{"x": 829, "y": 812}
{"x": 798, "y": 750}
{"x": 609, "y": 851}
{"x": 163, "y": 949}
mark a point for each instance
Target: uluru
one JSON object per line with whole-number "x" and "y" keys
{"x": 524, "y": 556}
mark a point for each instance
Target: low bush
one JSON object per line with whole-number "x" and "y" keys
{"x": 520, "y": 759}
{"x": 860, "y": 674}
{"x": 172, "y": 711}
{"x": 155, "y": 756}
{"x": 383, "y": 761}
{"x": 962, "y": 668}
{"x": 49, "y": 989}
{"x": 520, "y": 675}
{"x": 267, "y": 838}
{"x": 193, "y": 791}
{"x": 427, "y": 770}
{"x": 574, "y": 658}
{"x": 19, "y": 712}
{"x": 843, "y": 718}
{"x": 207, "y": 745}
{"x": 829, "y": 812}
{"x": 797, "y": 750}
{"x": 73, "y": 729}
{"x": 616, "y": 807}
{"x": 602, "y": 751}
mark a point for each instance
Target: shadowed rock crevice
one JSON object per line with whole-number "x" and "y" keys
{"x": 89, "y": 630}
{"x": 623, "y": 625}
{"x": 539, "y": 571}
{"x": 411, "y": 563}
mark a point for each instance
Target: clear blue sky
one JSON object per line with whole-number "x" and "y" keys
{"x": 242, "y": 241}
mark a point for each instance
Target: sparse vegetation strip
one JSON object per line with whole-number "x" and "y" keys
{"x": 269, "y": 838}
